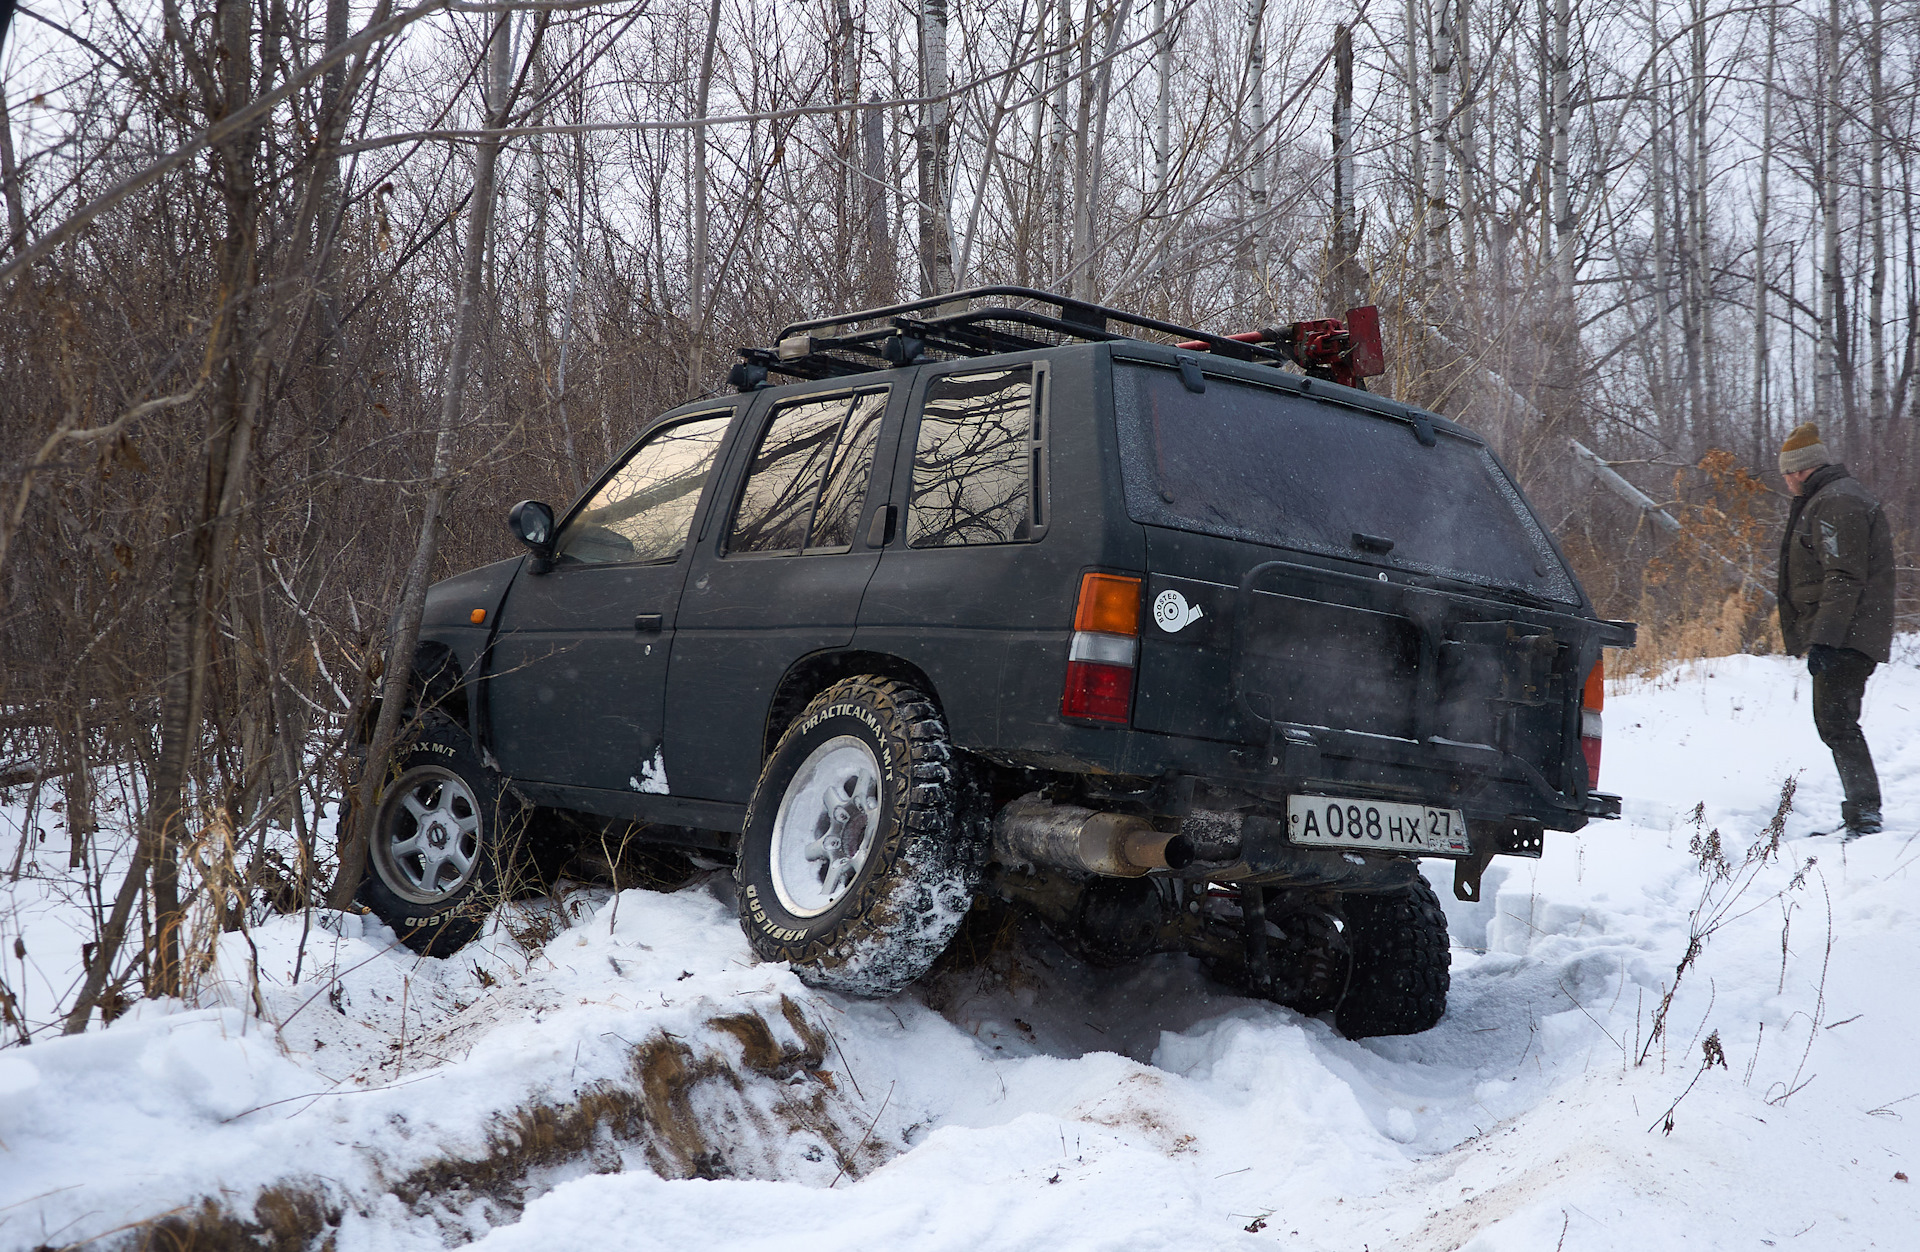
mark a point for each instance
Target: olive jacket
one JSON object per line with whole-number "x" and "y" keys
{"x": 1836, "y": 568}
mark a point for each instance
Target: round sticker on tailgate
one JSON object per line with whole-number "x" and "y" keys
{"x": 1172, "y": 613}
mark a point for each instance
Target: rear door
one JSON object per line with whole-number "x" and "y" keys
{"x": 780, "y": 575}
{"x": 578, "y": 670}
{"x": 954, "y": 594}
{"x": 1340, "y": 569}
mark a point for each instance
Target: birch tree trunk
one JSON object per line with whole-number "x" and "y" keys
{"x": 1826, "y": 360}
{"x": 1416, "y": 133}
{"x": 1694, "y": 275}
{"x": 1758, "y": 414}
{"x": 1056, "y": 158}
{"x": 698, "y": 252}
{"x": 1345, "y": 267}
{"x": 850, "y": 198}
{"x": 1101, "y": 82}
{"x": 879, "y": 239}
{"x": 1080, "y": 273}
{"x": 1877, "y": 223}
{"x": 1439, "y": 225}
{"x": 1466, "y": 159}
{"x": 1561, "y": 172}
{"x": 1257, "y": 224}
{"x": 10, "y": 182}
{"x": 1660, "y": 386}
{"x": 1162, "y": 102}
{"x": 569, "y": 317}
{"x": 936, "y": 238}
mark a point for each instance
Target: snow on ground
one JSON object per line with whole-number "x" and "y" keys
{"x": 592, "y": 1074}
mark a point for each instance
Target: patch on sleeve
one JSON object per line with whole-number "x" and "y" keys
{"x": 1830, "y": 539}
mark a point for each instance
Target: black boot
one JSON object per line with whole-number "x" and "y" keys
{"x": 1864, "y": 822}
{"x": 1855, "y": 820}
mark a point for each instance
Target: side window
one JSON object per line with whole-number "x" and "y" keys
{"x": 975, "y": 459}
{"x": 809, "y": 476}
{"x": 846, "y": 487}
{"x": 645, "y": 511}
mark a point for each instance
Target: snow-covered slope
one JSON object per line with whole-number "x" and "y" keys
{"x": 622, "y": 1075}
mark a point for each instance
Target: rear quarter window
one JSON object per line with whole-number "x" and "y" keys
{"x": 1273, "y": 467}
{"x": 976, "y": 458}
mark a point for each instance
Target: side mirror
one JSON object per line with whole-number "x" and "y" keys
{"x": 532, "y": 524}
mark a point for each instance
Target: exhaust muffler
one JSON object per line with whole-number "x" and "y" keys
{"x": 1032, "y": 831}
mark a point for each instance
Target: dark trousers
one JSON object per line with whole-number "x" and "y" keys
{"x": 1837, "y": 691}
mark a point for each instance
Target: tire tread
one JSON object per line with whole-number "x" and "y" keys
{"x": 1400, "y": 963}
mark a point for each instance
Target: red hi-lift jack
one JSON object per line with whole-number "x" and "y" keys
{"x": 1345, "y": 352}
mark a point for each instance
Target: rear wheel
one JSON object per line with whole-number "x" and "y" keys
{"x": 1400, "y": 962}
{"x": 861, "y": 848}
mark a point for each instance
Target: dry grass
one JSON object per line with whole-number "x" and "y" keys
{"x": 285, "y": 1218}
{"x": 1705, "y": 593}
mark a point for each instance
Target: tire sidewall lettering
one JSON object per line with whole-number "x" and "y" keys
{"x": 860, "y": 713}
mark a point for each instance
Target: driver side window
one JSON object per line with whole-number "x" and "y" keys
{"x": 645, "y": 510}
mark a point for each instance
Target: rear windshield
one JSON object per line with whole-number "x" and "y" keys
{"x": 1272, "y": 467}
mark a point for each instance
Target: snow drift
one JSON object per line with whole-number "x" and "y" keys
{"x": 1689, "y": 1027}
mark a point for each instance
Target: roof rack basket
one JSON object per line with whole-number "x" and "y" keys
{"x": 976, "y": 322}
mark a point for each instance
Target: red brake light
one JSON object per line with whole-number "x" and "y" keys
{"x": 1100, "y": 662}
{"x": 1101, "y": 693}
{"x": 1592, "y": 697}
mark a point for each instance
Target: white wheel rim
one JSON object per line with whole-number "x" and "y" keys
{"x": 428, "y": 843}
{"x": 825, "y": 828}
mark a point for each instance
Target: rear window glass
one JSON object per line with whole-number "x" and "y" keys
{"x": 808, "y": 478}
{"x": 973, "y": 461}
{"x": 1272, "y": 467}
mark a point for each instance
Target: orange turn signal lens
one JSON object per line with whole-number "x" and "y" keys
{"x": 1109, "y": 603}
{"x": 477, "y": 617}
{"x": 1594, "y": 694}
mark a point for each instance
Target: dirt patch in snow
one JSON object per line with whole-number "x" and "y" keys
{"x": 730, "y": 1102}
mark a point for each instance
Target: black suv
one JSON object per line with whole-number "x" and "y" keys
{"x": 1140, "y": 631}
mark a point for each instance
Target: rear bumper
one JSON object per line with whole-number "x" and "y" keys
{"x": 1484, "y": 783}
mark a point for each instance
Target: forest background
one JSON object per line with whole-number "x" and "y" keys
{"x": 297, "y": 297}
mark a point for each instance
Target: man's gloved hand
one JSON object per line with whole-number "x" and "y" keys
{"x": 1821, "y": 658}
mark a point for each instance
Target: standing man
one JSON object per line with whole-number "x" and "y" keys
{"x": 1836, "y": 607}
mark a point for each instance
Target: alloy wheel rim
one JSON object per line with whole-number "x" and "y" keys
{"x": 427, "y": 847}
{"x": 824, "y": 830}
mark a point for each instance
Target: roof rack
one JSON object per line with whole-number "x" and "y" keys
{"x": 960, "y": 326}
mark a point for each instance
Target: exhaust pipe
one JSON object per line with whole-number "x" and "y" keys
{"x": 1031, "y": 831}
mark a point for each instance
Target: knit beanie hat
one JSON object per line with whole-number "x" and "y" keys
{"x": 1803, "y": 450}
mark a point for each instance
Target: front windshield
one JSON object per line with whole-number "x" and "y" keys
{"x": 644, "y": 510}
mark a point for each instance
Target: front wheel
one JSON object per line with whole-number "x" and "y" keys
{"x": 438, "y": 854}
{"x": 861, "y": 849}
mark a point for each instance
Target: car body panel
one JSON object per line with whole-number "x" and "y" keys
{"x": 1288, "y": 670}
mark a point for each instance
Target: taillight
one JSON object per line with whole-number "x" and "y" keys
{"x": 1100, "y": 662}
{"x": 1592, "y": 697}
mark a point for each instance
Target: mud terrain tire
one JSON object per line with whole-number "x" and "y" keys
{"x": 447, "y": 834}
{"x": 863, "y": 845}
{"x": 1400, "y": 959}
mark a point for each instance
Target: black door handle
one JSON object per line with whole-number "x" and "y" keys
{"x": 648, "y": 623}
{"x": 880, "y": 529}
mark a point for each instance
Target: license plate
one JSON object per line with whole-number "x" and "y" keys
{"x": 1334, "y": 822}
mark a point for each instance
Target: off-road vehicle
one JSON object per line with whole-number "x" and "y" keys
{"x": 1010, "y": 597}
